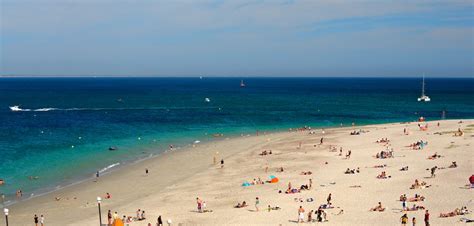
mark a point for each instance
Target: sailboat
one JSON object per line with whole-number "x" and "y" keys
{"x": 423, "y": 97}
{"x": 242, "y": 83}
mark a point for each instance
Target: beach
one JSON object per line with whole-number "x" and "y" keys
{"x": 177, "y": 178}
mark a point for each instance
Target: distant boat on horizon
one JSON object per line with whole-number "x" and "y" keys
{"x": 423, "y": 97}
{"x": 242, "y": 84}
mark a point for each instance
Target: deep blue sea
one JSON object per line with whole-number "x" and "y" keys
{"x": 67, "y": 125}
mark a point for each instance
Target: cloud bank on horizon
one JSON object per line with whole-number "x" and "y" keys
{"x": 237, "y": 38}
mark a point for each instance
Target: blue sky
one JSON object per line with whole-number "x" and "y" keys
{"x": 237, "y": 38}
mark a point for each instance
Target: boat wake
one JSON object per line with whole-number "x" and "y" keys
{"x": 17, "y": 108}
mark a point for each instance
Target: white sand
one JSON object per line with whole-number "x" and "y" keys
{"x": 177, "y": 178}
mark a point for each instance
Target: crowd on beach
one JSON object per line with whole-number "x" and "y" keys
{"x": 320, "y": 212}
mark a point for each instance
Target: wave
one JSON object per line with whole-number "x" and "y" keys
{"x": 17, "y": 108}
{"x": 109, "y": 167}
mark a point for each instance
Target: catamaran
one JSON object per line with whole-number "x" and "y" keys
{"x": 423, "y": 97}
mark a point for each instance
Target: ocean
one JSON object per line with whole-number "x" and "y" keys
{"x": 63, "y": 127}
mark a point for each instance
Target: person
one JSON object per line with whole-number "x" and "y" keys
{"x": 36, "y": 220}
{"x": 310, "y": 216}
{"x": 42, "y": 220}
{"x": 108, "y": 196}
{"x": 97, "y": 174}
{"x": 222, "y": 163}
{"x": 427, "y": 218}
{"x": 115, "y": 216}
{"x": 413, "y": 221}
{"x": 199, "y": 205}
{"x": 146, "y": 171}
{"x": 109, "y": 217}
{"x": 433, "y": 170}
{"x": 329, "y": 198}
{"x": 257, "y": 202}
{"x": 143, "y": 215}
{"x": 322, "y": 140}
{"x": 300, "y": 215}
{"x": 310, "y": 183}
{"x": 159, "y": 221}
{"x": 138, "y": 214}
{"x": 404, "y": 219}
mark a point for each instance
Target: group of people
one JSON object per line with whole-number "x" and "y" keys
{"x": 39, "y": 221}
{"x": 321, "y": 215}
{"x": 352, "y": 171}
{"x": 384, "y": 154}
{"x": 419, "y": 145}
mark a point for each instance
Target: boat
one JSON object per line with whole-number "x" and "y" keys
{"x": 207, "y": 99}
{"x": 242, "y": 84}
{"x": 15, "y": 108}
{"x": 113, "y": 148}
{"x": 423, "y": 97}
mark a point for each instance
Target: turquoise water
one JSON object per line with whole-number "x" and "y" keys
{"x": 66, "y": 125}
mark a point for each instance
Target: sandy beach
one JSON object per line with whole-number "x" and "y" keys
{"x": 177, "y": 178}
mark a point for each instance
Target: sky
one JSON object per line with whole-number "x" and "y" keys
{"x": 379, "y": 38}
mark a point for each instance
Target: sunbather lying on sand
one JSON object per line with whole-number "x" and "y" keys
{"x": 352, "y": 171}
{"x": 383, "y": 175}
{"x": 421, "y": 185}
{"x": 405, "y": 168}
{"x": 380, "y": 166}
{"x": 435, "y": 156}
{"x": 456, "y": 212}
{"x": 415, "y": 208}
{"x": 378, "y": 208}
{"x": 239, "y": 205}
{"x": 417, "y": 198}
{"x": 306, "y": 173}
{"x": 326, "y": 206}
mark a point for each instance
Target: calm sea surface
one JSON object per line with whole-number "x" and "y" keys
{"x": 66, "y": 125}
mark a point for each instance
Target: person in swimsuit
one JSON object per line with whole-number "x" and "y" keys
{"x": 300, "y": 215}
{"x": 36, "y": 220}
{"x": 257, "y": 202}
{"x": 404, "y": 219}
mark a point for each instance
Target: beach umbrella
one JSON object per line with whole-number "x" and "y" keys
{"x": 118, "y": 222}
{"x": 471, "y": 179}
{"x": 246, "y": 184}
{"x": 271, "y": 177}
{"x": 274, "y": 180}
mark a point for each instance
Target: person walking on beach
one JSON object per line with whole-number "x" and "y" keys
{"x": 413, "y": 221}
{"x": 109, "y": 218}
{"x": 300, "y": 215}
{"x": 427, "y": 218}
{"x": 159, "y": 221}
{"x": 329, "y": 198}
{"x": 310, "y": 216}
{"x": 321, "y": 141}
{"x": 222, "y": 163}
{"x": 404, "y": 219}
{"x": 199, "y": 205}
{"x": 146, "y": 171}
{"x": 257, "y": 202}
{"x": 36, "y": 220}
{"x": 42, "y": 220}
{"x": 433, "y": 171}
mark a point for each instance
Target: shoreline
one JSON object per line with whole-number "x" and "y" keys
{"x": 185, "y": 147}
{"x": 185, "y": 153}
